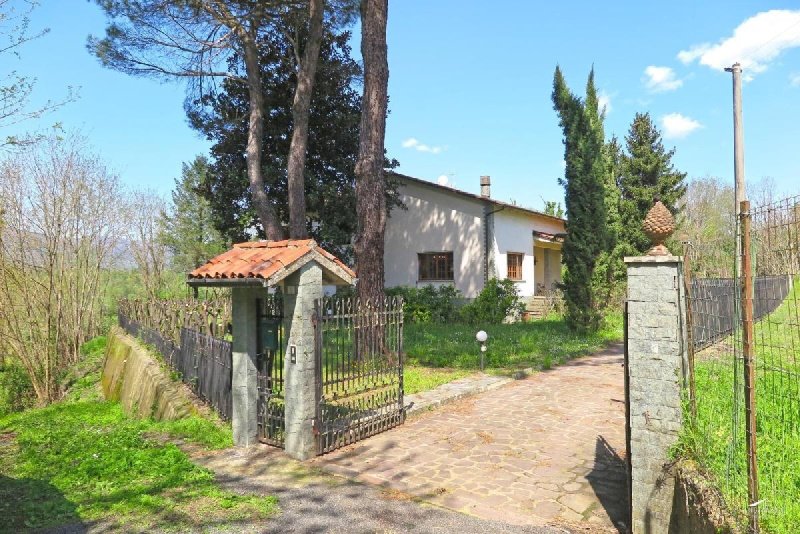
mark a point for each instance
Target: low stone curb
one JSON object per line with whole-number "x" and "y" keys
{"x": 451, "y": 392}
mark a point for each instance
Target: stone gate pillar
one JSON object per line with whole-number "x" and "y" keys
{"x": 244, "y": 383}
{"x": 657, "y": 369}
{"x": 300, "y": 290}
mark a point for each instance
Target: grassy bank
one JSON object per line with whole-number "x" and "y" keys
{"x": 539, "y": 344}
{"x": 84, "y": 460}
{"x": 717, "y": 438}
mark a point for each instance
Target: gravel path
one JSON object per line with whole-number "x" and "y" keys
{"x": 311, "y": 501}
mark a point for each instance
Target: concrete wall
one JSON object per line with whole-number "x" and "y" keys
{"x": 435, "y": 222}
{"x": 656, "y": 377}
{"x": 441, "y": 221}
{"x": 135, "y": 378}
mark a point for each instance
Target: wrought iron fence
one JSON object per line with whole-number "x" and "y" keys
{"x": 211, "y": 317}
{"x": 359, "y": 369}
{"x": 744, "y": 424}
{"x": 203, "y": 362}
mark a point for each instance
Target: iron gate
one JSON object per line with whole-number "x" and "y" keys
{"x": 359, "y": 369}
{"x": 269, "y": 363}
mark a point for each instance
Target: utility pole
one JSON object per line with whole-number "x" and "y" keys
{"x": 744, "y": 276}
{"x": 738, "y": 135}
{"x": 738, "y": 158}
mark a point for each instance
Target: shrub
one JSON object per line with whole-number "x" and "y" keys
{"x": 16, "y": 391}
{"x": 428, "y": 304}
{"x": 498, "y": 299}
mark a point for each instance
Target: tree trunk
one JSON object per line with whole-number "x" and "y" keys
{"x": 255, "y": 142}
{"x": 301, "y": 107}
{"x": 370, "y": 189}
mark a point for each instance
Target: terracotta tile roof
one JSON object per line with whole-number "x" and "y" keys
{"x": 558, "y": 238}
{"x": 262, "y": 260}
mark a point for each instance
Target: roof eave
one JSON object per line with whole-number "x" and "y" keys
{"x": 227, "y": 282}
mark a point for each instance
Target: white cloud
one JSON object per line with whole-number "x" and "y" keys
{"x": 604, "y": 102}
{"x": 421, "y": 147}
{"x": 754, "y": 43}
{"x": 660, "y": 79}
{"x": 677, "y": 126}
{"x": 794, "y": 80}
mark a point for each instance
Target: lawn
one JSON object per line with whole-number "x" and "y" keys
{"x": 717, "y": 438}
{"x": 539, "y": 344}
{"x": 417, "y": 378}
{"x": 84, "y": 460}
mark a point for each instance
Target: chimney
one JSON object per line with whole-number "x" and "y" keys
{"x": 486, "y": 186}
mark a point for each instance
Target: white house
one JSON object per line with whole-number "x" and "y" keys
{"x": 448, "y": 236}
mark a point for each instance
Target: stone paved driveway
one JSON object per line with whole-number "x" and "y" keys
{"x": 545, "y": 450}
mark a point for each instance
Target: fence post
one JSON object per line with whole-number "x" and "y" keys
{"x": 687, "y": 287}
{"x": 749, "y": 368}
{"x": 656, "y": 376}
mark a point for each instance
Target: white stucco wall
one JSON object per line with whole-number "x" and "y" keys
{"x": 439, "y": 221}
{"x": 435, "y": 221}
{"x": 513, "y": 232}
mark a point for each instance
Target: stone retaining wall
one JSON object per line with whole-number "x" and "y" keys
{"x": 132, "y": 376}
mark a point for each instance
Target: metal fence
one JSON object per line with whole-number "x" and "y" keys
{"x": 744, "y": 420}
{"x": 202, "y": 361}
{"x": 712, "y": 325}
{"x": 359, "y": 369}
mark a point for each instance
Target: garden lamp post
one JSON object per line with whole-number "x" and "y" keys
{"x": 482, "y": 336}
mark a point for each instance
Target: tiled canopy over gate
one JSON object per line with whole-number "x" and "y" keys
{"x": 266, "y": 263}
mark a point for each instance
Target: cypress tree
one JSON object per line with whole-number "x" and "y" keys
{"x": 583, "y": 179}
{"x": 648, "y": 173}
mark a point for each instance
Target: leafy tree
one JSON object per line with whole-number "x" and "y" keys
{"x": 551, "y": 207}
{"x": 62, "y": 215}
{"x": 332, "y": 148}
{"x": 16, "y": 89}
{"x": 583, "y": 182}
{"x": 194, "y": 39}
{"x": 371, "y": 209}
{"x": 187, "y": 227}
{"x": 648, "y": 173}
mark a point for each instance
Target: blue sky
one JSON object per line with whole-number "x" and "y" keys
{"x": 470, "y": 86}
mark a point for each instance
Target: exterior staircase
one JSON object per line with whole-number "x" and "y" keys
{"x": 536, "y": 307}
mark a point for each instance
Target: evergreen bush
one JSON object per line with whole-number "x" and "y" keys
{"x": 498, "y": 299}
{"x": 428, "y": 304}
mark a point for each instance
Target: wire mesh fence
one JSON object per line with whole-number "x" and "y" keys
{"x": 744, "y": 334}
{"x": 776, "y": 356}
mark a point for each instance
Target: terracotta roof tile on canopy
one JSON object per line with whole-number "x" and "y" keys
{"x": 268, "y": 262}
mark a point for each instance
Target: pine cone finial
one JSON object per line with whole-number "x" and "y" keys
{"x": 658, "y": 225}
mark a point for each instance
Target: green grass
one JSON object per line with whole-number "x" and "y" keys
{"x": 416, "y": 378}
{"x": 710, "y": 440}
{"x": 83, "y": 459}
{"x": 540, "y": 344}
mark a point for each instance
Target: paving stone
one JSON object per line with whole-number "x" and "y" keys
{"x": 578, "y": 502}
{"x": 525, "y": 451}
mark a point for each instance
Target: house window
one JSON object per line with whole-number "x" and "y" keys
{"x": 436, "y": 266}
{"x": 514, "y": 261}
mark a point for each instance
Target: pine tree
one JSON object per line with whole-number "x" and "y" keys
{"x": 586, "y": 239}
{"x": 647, "y": 174}
{"x": 188, "y": 229}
